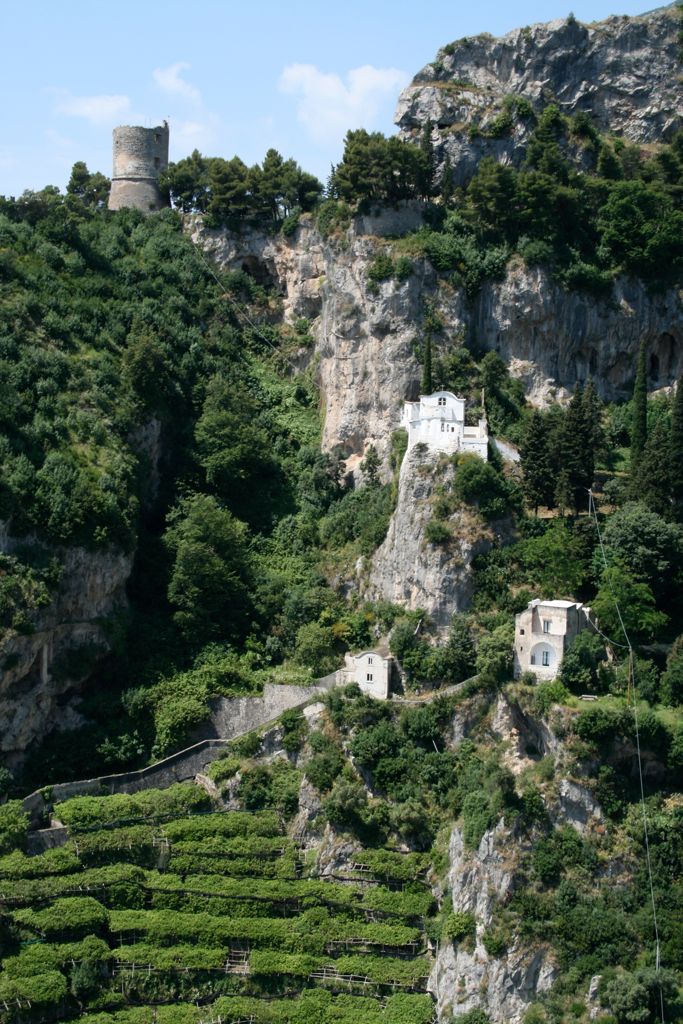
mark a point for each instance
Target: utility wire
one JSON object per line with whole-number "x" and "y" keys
{"x": 632, "y": 679}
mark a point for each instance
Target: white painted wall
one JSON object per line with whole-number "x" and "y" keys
{"x": 371, "y": 671}
{"x": 438, "y": 421}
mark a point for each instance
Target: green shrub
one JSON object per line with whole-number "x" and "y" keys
{"x": 458, "y": 925}
{"x": 478, "y": 483}
{"x": 381, "y": 268}
{"x": 478, "y": 816}
{"x": 547, "y": 694}
{"x": 437, "y": 532}
{"x": 475, "y": 1016}
{"x": 494, "y": 655}
{"x": 495, "y": 943}
{"x": 224, "y": 768}
{"x": 247, "y": 745}
{"x": 13, "y": 826}
{"x": 324, "y": 768}
{"x": 294, "y": 729}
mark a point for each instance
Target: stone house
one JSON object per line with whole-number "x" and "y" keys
{"x": 371, "y": 670}
{"x": 543, "y": 632}
{"x": 438, "y": 421}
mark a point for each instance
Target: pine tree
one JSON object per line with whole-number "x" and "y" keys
{"x": 537, "y": 464}
{"x": 651, "y": 481}
{"x": 639, "y": 411}
{"x": 676, "y": 452}
{"x": 427, "y": 368}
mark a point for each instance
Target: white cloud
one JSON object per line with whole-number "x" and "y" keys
{"x": 189, "y": 135}
{"x": 96, "y": 109}
{"x": 169, "y": 80}
{"x": 329, "y": 106}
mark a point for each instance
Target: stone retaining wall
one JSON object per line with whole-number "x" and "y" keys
{"x": 230, "y": 718}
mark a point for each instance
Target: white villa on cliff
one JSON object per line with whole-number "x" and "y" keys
{"x": 438, "y": 421}
{"x": 543, "y": 632}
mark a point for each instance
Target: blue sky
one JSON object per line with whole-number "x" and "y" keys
{"x": 232, "y": 78}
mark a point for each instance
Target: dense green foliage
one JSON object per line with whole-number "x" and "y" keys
{"x": 124, "y": 362}
{"x": 149, "y": 409}
{"x": 230, "y": 193}
{"x": 143, "y": 936}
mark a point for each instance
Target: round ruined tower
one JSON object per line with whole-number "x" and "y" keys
{"x": 140, "y": 155}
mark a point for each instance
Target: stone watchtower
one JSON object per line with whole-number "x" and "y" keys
{"x": 140, "y": 155}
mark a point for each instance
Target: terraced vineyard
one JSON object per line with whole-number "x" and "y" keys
{"x": 162, "y": 908}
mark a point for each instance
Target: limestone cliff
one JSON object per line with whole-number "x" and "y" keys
{"x": 365, "y": 335}
{"x": 42, "y": 670}
{"x": 409, "y": 570}
{"x": 466, "y": 976}
{"x": 625, "y": 72}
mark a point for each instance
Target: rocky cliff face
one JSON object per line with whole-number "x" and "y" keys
{"x": 365, "y": 336}
{"x": 365, "y": 362}
{"x": 41, "y": 671}
{"x": 624, "y": 72}
{"x": 410, "y": 571}
{"x": 465, "y": 975}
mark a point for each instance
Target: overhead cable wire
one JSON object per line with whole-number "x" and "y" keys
{"x": 632, "y": 680}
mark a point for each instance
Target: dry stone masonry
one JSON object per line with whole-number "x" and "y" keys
{"x": 140, "y": 156}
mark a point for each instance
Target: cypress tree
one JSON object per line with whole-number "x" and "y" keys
{"x": 676, "y": 452}
{"x": 427, "y": 368}
{"x": 651, "y": 482}
{"x": 576, "y": 451}
{"x": 537, "y": 464}
{"x": 447, "y": 188}
{"x": 639, "y": 411}
{"x": 563, "y": 491}
{"x": 592, "y": 407}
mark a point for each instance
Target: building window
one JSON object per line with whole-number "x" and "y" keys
{"x": 442, "y": 401}
{"x": 157, "y": 161}
{"x": 521, "y": 632}
{"x": 546, "y": 625}
{"x": 443, "y": 425}
{"x": 369, "y": 677}
{"x": 370, "y": 660}
{"x": 545, "y": 658}
{"x": 532, "y": 659}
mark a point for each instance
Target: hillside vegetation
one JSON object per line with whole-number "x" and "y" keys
{"x": 152, "y": 405}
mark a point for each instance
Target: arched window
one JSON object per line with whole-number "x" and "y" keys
{"x": 442, "y": 400}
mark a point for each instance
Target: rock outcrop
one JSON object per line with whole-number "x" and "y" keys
{"x": 365, "y": 335}
{"x": 409, "y": 570}
{"x": 40, "y": 670}
{"x": 624, "y": 72}
{"x": 465, "y": 976}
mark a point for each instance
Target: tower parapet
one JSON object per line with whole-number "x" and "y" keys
{"x": 140, "y": 156}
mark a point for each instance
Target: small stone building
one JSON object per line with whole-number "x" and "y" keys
{"x": 438, "y": 421}
{"x": 140, "y": 156}
{"x": 371, "y": 670}
{"x": 543, "y": 632}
